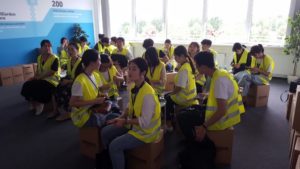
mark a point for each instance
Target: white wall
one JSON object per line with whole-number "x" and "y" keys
{"x": 283, "y": 62}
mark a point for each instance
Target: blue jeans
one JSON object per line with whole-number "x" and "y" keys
{"x": 247, "y": 80}
{"x": 118, "y": 140}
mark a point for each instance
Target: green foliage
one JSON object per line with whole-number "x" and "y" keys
{"x": 77, "y": 33}
{"x": 158, "y": 23}
{"x": 140, "y": 26}
{"x": 292, "y": 42}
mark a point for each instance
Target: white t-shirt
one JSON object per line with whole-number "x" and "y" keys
{"x": 148, "y": 110}
{"x": 182, "y": 79}
{"x": 77, "y": 88}
{"x": 223, "y": 88}
{"x": 106, "y": 75}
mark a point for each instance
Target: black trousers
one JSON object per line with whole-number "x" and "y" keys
{"x": 169, "y": 107}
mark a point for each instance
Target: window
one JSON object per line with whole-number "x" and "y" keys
{"x": 226, "y": 20}
{"x": 269, "y": 23}
{"x": 120, "y": 18}
{"x": 184, "y": 20}
{"x": 149, "y": 19}
{"x": 246, "y": 21}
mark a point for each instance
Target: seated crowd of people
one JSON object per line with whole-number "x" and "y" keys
{"x": 89, "y": 92}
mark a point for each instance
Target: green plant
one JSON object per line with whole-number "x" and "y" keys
{"x": 77, "y": 33}
{"x": 292, "y": 42}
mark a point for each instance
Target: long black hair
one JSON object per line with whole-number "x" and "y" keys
{"x": 181, "y": 50}
{"x": 89, "y": 56}
{"x": 151, "y": 57}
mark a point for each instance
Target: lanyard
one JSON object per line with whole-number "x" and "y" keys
{"x": 92, "y": 81}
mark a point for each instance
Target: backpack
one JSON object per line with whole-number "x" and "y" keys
{"x": 195, "y": 155}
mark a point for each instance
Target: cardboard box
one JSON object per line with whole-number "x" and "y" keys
{"x": 289, "y": 105}
{"x": 295, "y": 154}
{"x": 258, "y": 95}
{"x": 296, "y": 112}
{"x": 28, "y": 76}
{"x": 34, "y": 67}
{"x": 298, "y": 163}
{"x": 170, "y": 81}
{"x": 28, "y": 69}
{"x": 17, "y": 70}
{"x": 18, "y": 79}
{"x": 6, "y": 78}
{"x": 223, "y": 141}
{"x": 295, "y": 135}
{"x": 90, "y": 142}
{"x": 148, "y": 156}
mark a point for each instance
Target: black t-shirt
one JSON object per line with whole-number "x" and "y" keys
{"x": 244, "y": 65}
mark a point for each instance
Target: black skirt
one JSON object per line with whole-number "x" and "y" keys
{"x": 38, "y": 90}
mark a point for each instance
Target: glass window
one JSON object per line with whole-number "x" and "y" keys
{"x": 185, "y": 20}
{"x": 120, "y": 18}
{"x": 149, "y": 19}
{"x": 226, "y": 20}
{"x": 269, "y": 21}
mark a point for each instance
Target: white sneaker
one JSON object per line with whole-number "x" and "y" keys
{"x": 39, "y": 109}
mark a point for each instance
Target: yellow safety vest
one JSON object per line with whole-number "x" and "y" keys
{"x": 123, "y": 52}
{"x": 63, "y": 57}
{"x": 151, "y": 133}
{"x": 82, "y": 50}
{"x": 112, "y": 72}
{"x": 100, "y": 49}
{"x": 266, "y": 63}
{"x": 243, "y": 59}
{"x": 71, "y": 70}
{"x": 156, "y": 76}
{"x": 82, "y": 114}
{"x": 233, "y": 110}
{"x": 186, "y": 96}
{"x": 54, "y": 79}
{"x": 202, "y": 79}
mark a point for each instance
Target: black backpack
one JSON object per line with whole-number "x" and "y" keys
{"x": 195, "y": 155}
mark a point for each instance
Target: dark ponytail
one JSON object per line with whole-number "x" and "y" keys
{"x": 181, "y": 51}
{"x": 90, "y": 55}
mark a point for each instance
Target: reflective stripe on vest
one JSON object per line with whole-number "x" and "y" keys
{"x": 54, "y": 79}
{"x": 156, "y": 77}
{"x": 232, "y": 115}
{"x": 186, "y": 96}
{"x": 152, "y": 132}
{"x": 81, "y": 115}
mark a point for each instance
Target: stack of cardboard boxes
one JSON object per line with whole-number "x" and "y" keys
{"x": 258, "y": 95}
{"x": 293, "y": 116}
{"x": 28, "y": 71}
{"x": 223, "y": 141}
{"x": 6, "y": 77}
{"x": 17, "y": 74}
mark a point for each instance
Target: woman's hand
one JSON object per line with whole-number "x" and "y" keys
{"x": 118, "y": 122}
{"x": 200, "y": 133}
{"x": 99, "y": 100}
